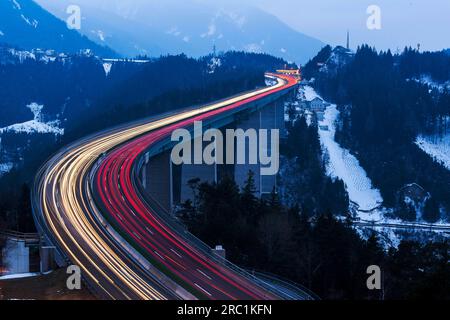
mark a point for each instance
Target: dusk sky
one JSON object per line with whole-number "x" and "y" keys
{"x": 404, "y": 22}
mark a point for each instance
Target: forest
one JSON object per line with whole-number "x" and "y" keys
{"x": 77, "y": 91}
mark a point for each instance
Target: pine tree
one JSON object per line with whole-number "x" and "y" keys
{"x": 275, "y": 202}
{"x": 431, "y": 212}
{"x": 25, "y": 218}
{"x": 249, "y": 201}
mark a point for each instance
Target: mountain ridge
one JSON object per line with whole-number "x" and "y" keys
{"x": 192, "y": 27}
{"x": 25, "y": 24}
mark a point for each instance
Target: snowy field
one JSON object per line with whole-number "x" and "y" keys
{"x": 436, "y": 147}
{"x": 36, "y": 125}
{"x": 309, "y": 93}
{"x": 19, "y": 276}
{"x": 343, "y": 165}
{"x": 5, "y": 168}
{"x": 427, "y": 80}
{"x": 33, "y": 126}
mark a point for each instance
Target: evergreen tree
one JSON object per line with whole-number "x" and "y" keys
{"x": 326, "y": 255}
{"x": 248, "y": 198}
{"x": 25, "y": 218}
{"x": 431, "y": 212}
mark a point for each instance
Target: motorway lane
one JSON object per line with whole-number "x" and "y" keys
{"x": 85, "y": 242}
{"x": 161, "y": 244}
{"x": 70, "y": 214}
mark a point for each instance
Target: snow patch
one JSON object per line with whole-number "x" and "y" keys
{"x": 16, "y": 5}
{"x": 428, "y": 80}
{"x": 107, "y": 67}
{"x": 436, "y": 147}
{"x": 46, "y": 56}
{"x": 19, "y": 276}
{"x": 36, "y": 125}
{"x": 388, "y": 237}
{"x": 34, "y": 23}
{"x": 214, "y": 64}
{"x": 309, "y": 94}
{"x": 100, "y": 34}
{"x": 343, "y": 165}
{"x": 5, "y": 168}
{"x": 22, "y": 55}
{"x": 48, "y": 59}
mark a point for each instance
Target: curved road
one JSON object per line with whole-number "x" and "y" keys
{"x": 89, "y": 206}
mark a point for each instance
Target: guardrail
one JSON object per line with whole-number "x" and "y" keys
{"x": 19, "y": 236}
{"x": 297, "y": 289}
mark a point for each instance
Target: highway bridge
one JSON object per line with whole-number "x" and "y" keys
{"x": 88, "y": 202}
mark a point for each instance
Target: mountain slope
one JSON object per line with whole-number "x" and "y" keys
{"x": 193, "y": 27}
{"x": 25, "y": 24}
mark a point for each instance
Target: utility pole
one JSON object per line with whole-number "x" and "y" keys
{"x": 348, "y": 40}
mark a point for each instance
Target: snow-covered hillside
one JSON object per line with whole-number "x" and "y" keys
{"x": 12, "y": 56}
{"x": 345, "y": 166}
{"x": 309, "y": 94}
{"x": 366, "y": 201}
{"x": 36, "y": 125}
{"x": 341, "y": 164}
{"x": 427, "y": 80}
{"x": 437, "y": 147}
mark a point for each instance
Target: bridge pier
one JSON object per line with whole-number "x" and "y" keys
{"x": 202, "y": 172}
{"x": 241, "y": 171}
{"x": 168, "y": 184}
{"x": 47, "y": 259}
{"x": 269, "y": 117}
{"x": 156, "y": 177}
